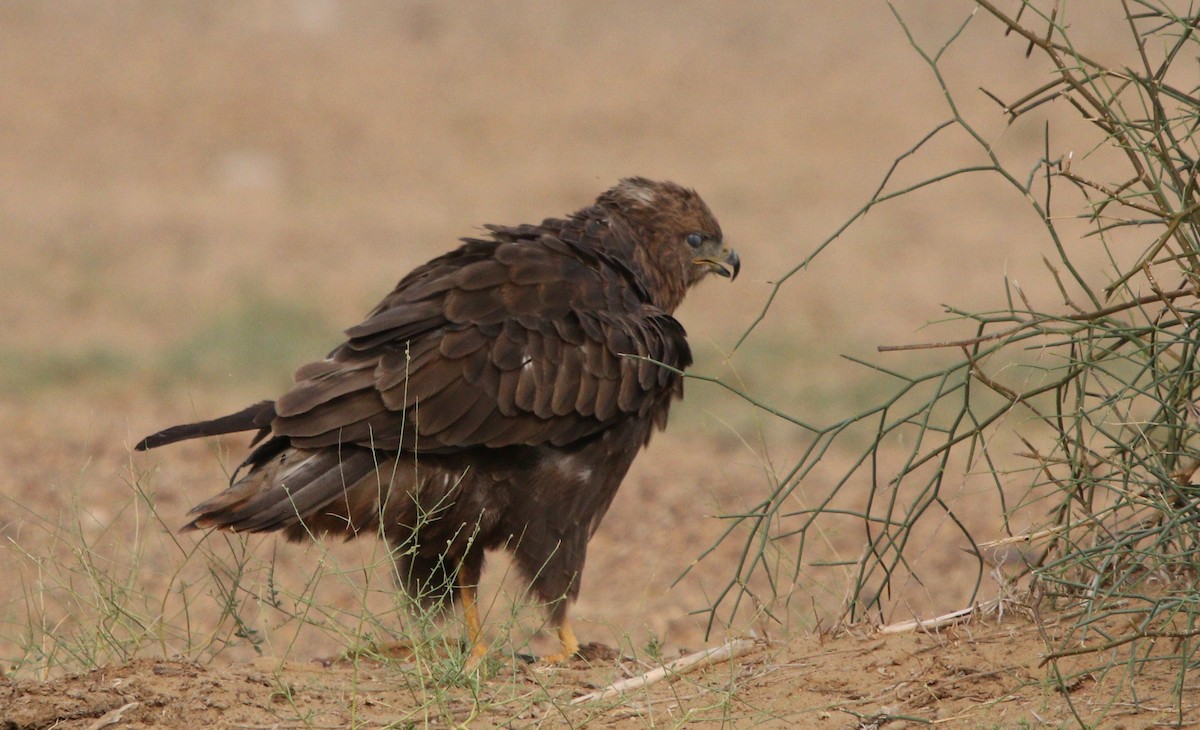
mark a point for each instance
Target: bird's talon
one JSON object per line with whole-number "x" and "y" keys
{"x": 559, "y": 658}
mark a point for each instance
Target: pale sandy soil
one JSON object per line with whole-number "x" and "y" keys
{"x": 196, "y": 197}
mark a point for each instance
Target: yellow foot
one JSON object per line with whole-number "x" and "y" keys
{"x": 474, "y": 628}
{"x": 570, "y": 646}
{"x": 593, "y": 652}
{"x": 475, "y": 658}
{"x": 392, "y": 650}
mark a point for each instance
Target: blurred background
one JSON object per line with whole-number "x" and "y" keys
{"x": 195, "y": 198}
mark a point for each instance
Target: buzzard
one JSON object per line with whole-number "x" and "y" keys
{"x": 494, "y": 399}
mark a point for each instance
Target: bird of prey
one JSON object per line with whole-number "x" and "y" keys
{"x": 495, "y": 399}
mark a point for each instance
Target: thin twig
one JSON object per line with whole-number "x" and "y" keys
{"x": 937, "y": 622}
{"x": 686, "y": 664}
{"x": 1119, "y": 641}
{"x": 1083, "y": 317}
{"x": 112, "y": 717}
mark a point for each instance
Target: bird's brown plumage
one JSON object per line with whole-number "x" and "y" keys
{"x": 495, "y": 399}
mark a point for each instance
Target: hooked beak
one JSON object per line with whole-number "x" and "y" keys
{"x": 717, "y": 264}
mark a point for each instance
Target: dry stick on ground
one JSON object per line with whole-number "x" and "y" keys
{"x": 686, "y": 664}
{"x": 936, "y": 622}
{"x": 112, "y": 717}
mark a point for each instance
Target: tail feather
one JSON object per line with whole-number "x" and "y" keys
{"x": 257, "y": 416}
{"x": 299, "y": 491}
{"x": 356, "y": 512}
{"x": 292, "y": 500}
{"x": 303, "y": 492}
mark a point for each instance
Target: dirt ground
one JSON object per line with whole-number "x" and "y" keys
{"x": 195, "y": 198}
{"x": 976, "y": 677}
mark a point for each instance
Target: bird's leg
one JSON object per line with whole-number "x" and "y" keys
{"x": 468, "y": 594}
{"x": 569, "y": 644}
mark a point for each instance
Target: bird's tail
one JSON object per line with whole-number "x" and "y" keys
{"x": 257, "y": 416}
{"x": 305, "y": 493}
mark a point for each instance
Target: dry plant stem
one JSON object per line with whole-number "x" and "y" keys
{"x": 1113, "y": 194}
{"x": 691, "y": 662}
{"x": 1056, "y": 51}
{"x": 112, "y": 717}
{"x": 1028, "y": 537}
{"x": 1119, "y": 641}
{"x": 1083, "y": 317}
{"x": 936, "y": 622}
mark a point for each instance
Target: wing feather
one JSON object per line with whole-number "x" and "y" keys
{"x": 585, "y": 397}
{"x": 567, "y": 383}
{"x": 520, "y": 340}
{"x": 333, "y": 415}
{"x": 324, "y": 385}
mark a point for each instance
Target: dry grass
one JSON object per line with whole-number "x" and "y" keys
{"x": 179, "y": 180}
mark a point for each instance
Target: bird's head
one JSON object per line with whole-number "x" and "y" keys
{"x": 676, "y": 239}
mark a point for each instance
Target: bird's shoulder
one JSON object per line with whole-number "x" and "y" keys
{"x": 527, "y": 272}
{"x": 531, "y": 335}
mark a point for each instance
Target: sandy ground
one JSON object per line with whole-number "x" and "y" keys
{"x": 195, "y": 198}
{"x": 981, "y": 677}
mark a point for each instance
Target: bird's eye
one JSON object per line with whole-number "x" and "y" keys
{"x": 694, "y": 240}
